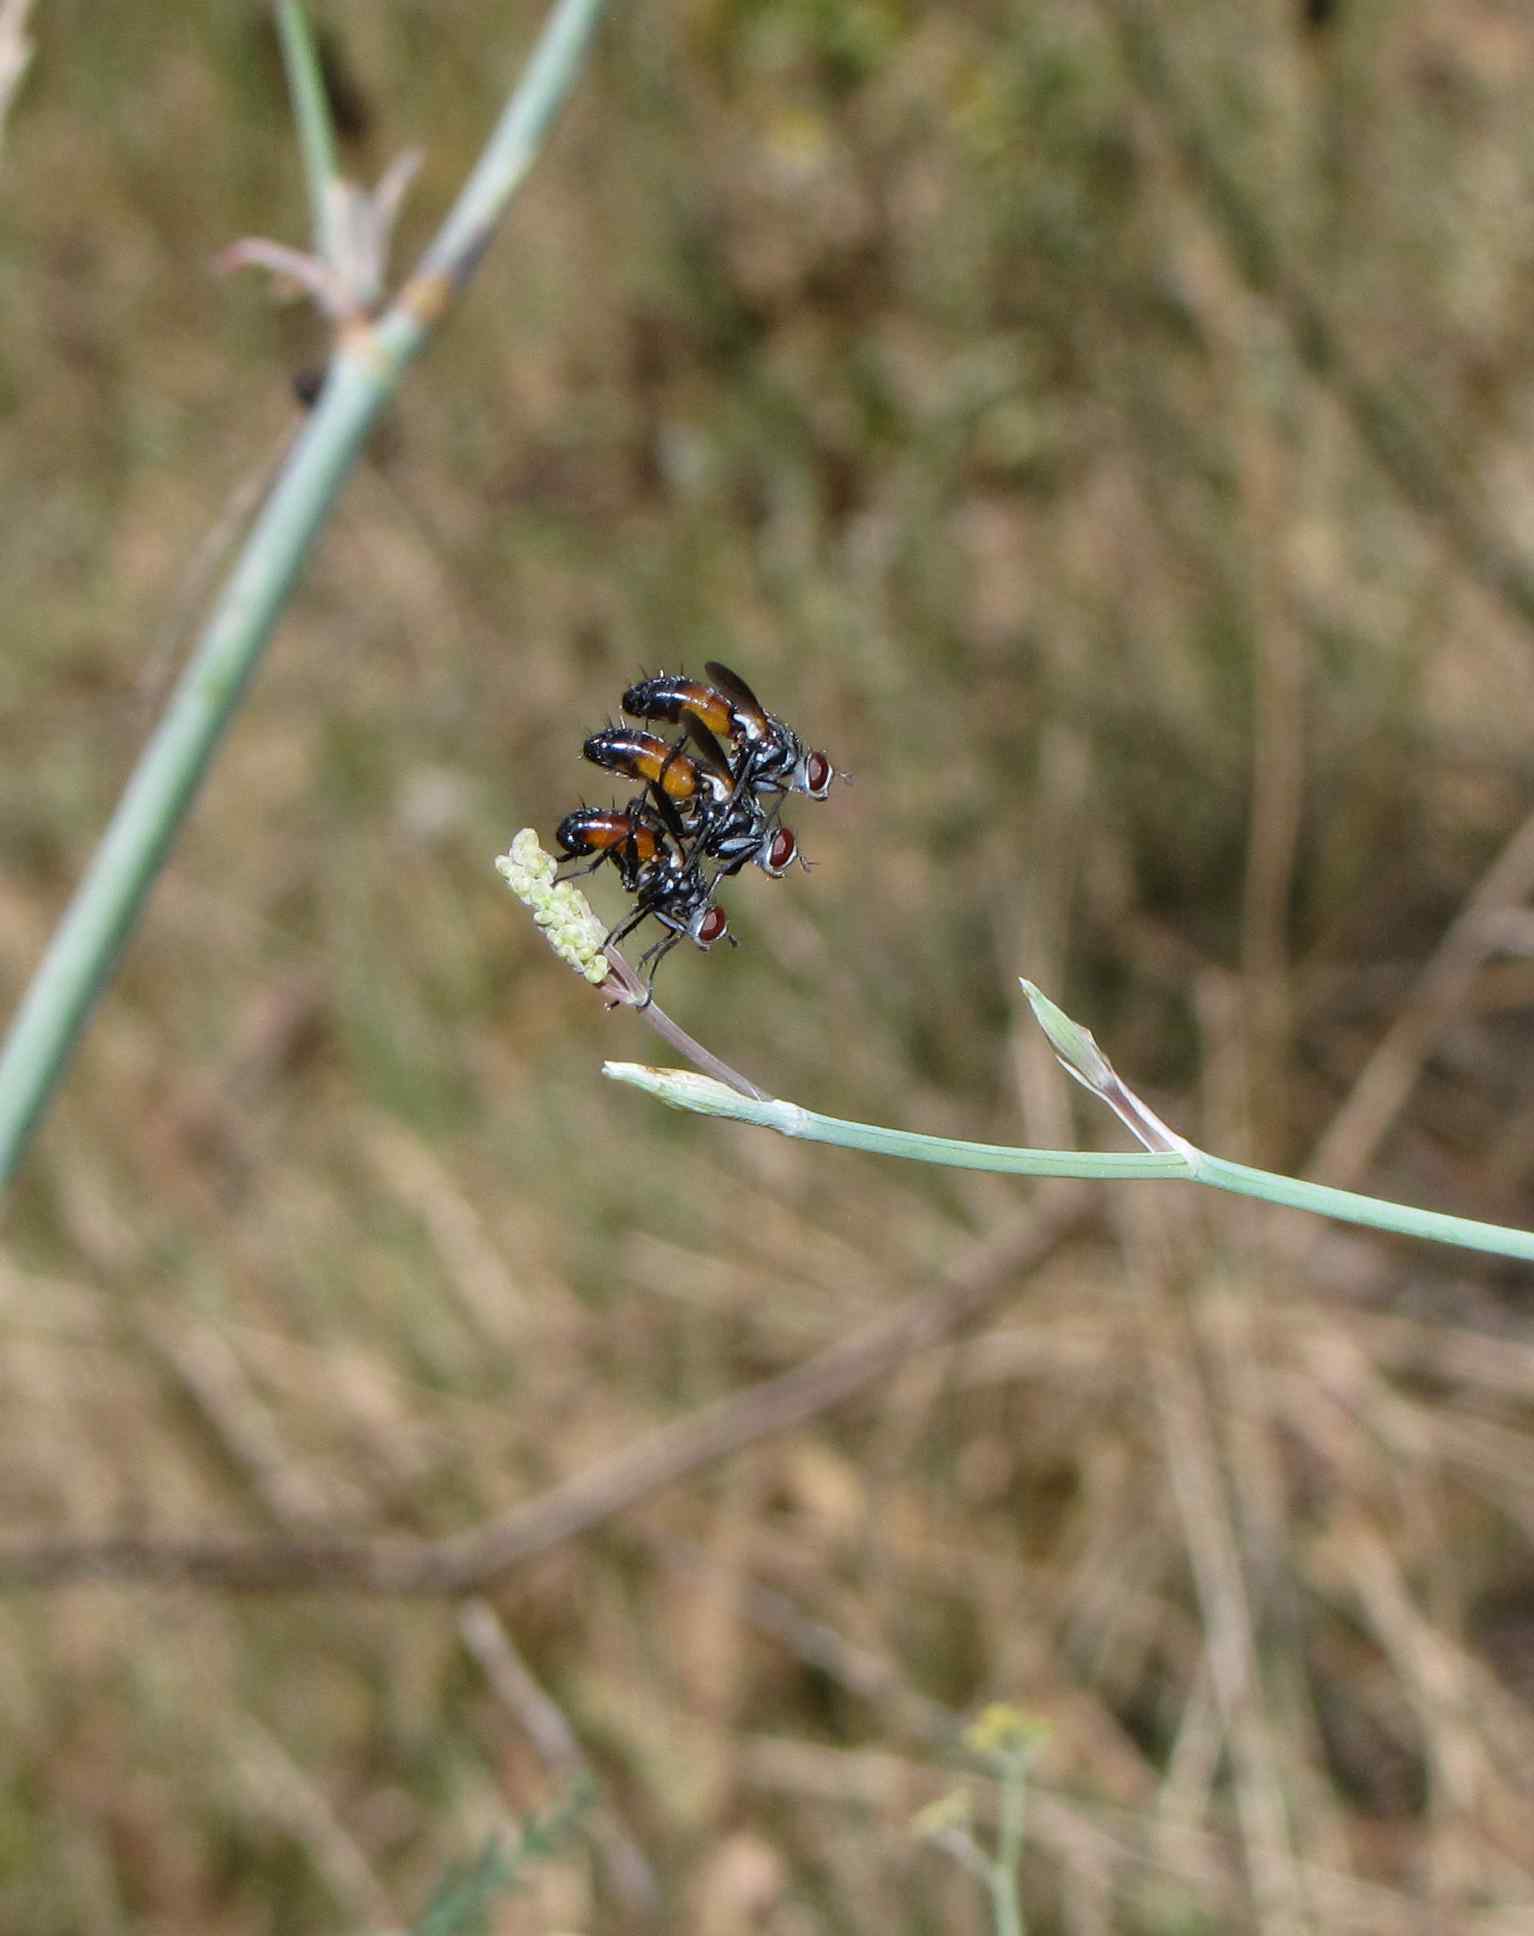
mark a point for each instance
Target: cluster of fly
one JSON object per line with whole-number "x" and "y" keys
{"x": 711, "y": 803}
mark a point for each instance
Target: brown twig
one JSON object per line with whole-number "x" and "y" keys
{"x": 629, "y": 1873}
{"x": 1200, "y": 1486}
{"x": 636, "y": 995}
{"x": 473, "y": 1561}
{"x": 1380, "y": 1093}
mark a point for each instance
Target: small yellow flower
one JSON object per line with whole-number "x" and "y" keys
{"x": 1002, "y": 1732}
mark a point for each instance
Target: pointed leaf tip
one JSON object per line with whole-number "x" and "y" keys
{"x": 1076, "y": 1046}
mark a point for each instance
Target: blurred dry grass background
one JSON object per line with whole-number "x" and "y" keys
{"x": 913, "y": 360}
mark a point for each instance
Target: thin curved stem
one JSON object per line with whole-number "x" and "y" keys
{"x": 363, "y": 376}
{"x": 1349, "y": 1206}
{"x": 311, "y": 114}
{"x": 85, "y": 947}
{"x": 680, "y": 1089}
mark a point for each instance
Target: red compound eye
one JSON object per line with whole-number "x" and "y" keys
{"x": 818, "y": 775}
{"x": 780, "y": 856}
{"x": 711, "y": 928}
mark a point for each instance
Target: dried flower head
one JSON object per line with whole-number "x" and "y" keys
{"x": 351, "y": 283}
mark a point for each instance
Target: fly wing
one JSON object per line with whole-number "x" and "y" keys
{"x": 732, "y": 684}
{"x": 714, "y": 755}
{"x": 670, "y": 819}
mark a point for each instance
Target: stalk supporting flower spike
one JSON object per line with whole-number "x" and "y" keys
{"x": 1170, "y": 1157}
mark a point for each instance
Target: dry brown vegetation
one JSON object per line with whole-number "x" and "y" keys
{"x": 1105, "y": 427}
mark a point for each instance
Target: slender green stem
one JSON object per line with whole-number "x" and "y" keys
{"x": 1006, "y": 1910}
{"x": 1347, "y": 1206}
{"x": 84, "y": 949}
{"x": 513, "y": 146}
{"x": 311, "y": 112}
{"x": 1006, "y": 1904}
{"x": 681, "y": 1089}
{"x": 363, "y": 376}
